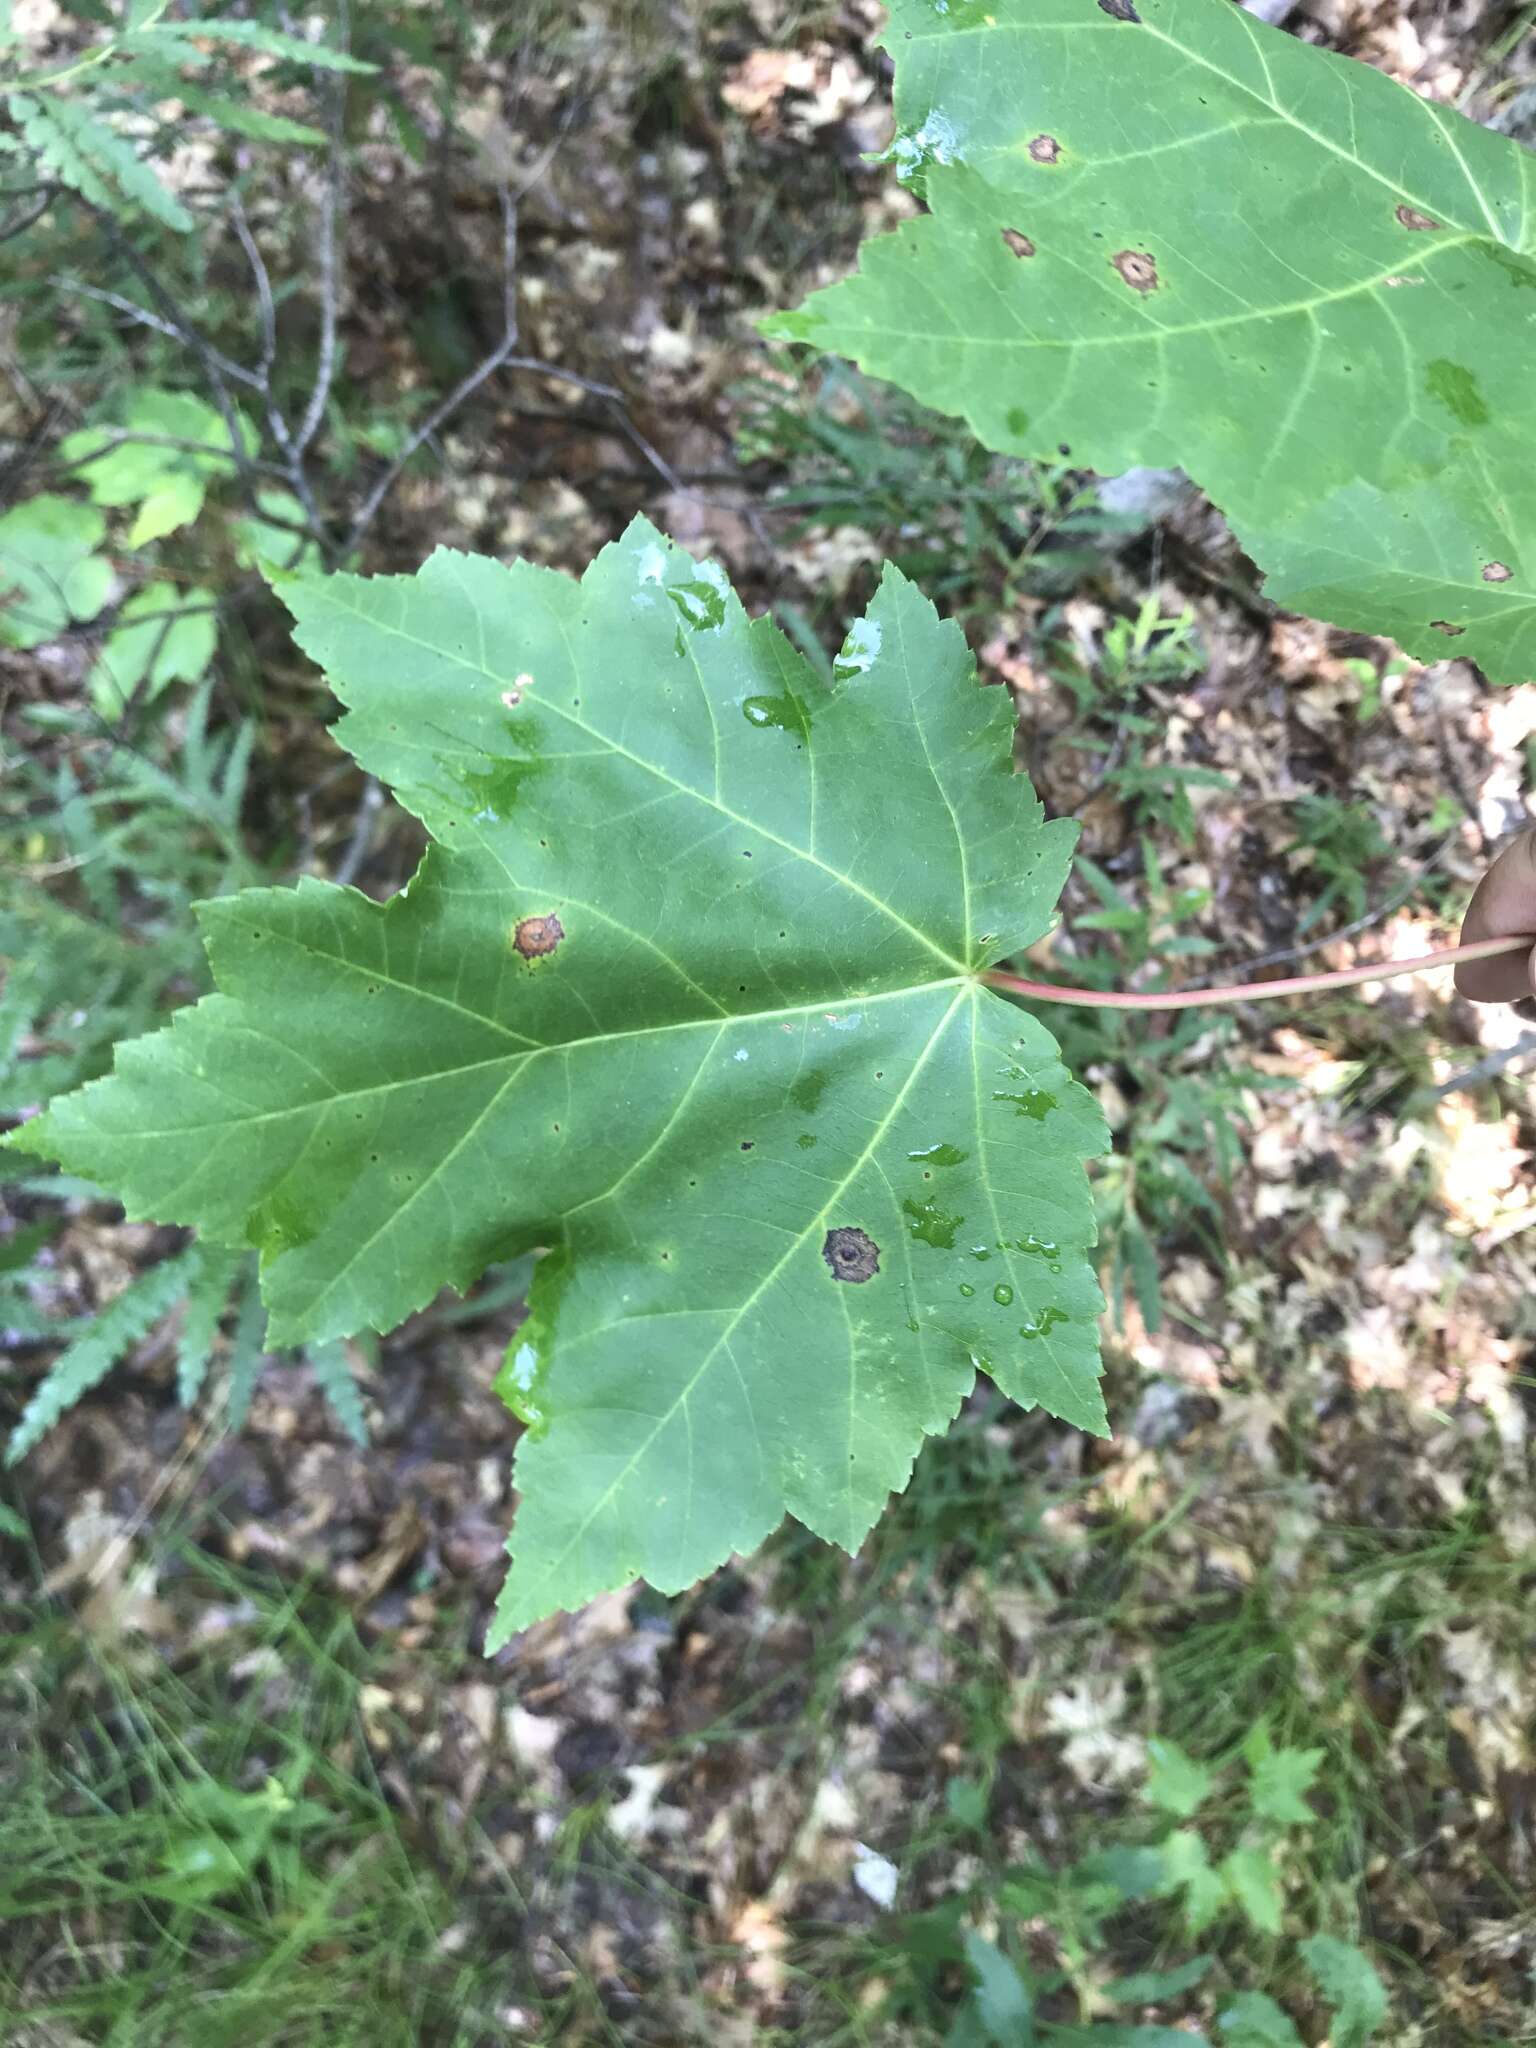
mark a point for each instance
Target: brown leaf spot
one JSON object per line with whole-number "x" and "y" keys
{"x": 1419, "y": 222}
{"x": 1045, "y": 149}
{"x": 1119, "y": 10}
{"x": 1021, "y": 245}
{"x": 851, "y": 1254}
{"x": 1497, "y": 572}
{"x": 1137, "y": 268}
{"x": 1444, "y": 626}
{"x": 537, "y": 936}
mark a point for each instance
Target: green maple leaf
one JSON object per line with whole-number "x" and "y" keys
{"x": 1350, "y": 1983}
{"x": 1254, "y": 2020}
{"x": 1175, "y": 1781}
{"x": 1280, "y": 1782}
{"x": 1254, "y": 1882}
{"x": 1164, "y": 233}
{"x": 686, "y": 991}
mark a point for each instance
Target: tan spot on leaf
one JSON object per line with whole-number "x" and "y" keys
{"x": 1137, "y": 268}
{"x": 537, "y": 936}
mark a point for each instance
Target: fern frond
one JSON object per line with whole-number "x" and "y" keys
{"x": 207, "y": 1300}
{"x": 251, "y": 35}
{"x": 85, "y": 153}
{"x": 93, "y": 1354}
{"x": 240, "y": 119}
{"x": 56, "y": 150}
{"x": 333, "y": 1370}
{"x": 246, "y": 1355}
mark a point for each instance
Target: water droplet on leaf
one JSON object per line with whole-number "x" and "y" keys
{"x": 858, "y": 651}
{"x": 1042, "y": 1324}
{"x": 929, "y": 1224}
{"x": 520, "y": 1384}
{"x": 1034, "y": 1103}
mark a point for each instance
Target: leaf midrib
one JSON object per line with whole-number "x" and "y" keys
{"x": 725, "y": 810}
{"x": 819, "y": 1005}
{"x": 796, "y": 1245}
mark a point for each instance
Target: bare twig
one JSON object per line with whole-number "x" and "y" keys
{"x": 292, "y": 469}
{"x": 263, "y": 282}
{"x": 162, "y": 324}
{"x": 216, "y": 367}
{"x": 23, "y": 454}
{"x": 107, "y": 622}
{"x": 369, "y": 804}
{"x": 1364, "y": 922}
{"x": 116, "y": 437}
{"x": 652, "y": 455}
{"x": 1488, "y": 1068}
{"x": 500, "y": 357}
{"x": 20, "y": 222}
{"x": 332, "y": 216}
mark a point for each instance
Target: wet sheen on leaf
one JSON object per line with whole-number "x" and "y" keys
{"x": 686, "y": 997}
{"x": 1269, "y": 265}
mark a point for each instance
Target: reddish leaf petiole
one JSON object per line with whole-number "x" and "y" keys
{"x": 1252, "y": 991}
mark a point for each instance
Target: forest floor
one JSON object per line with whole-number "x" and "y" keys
{"x": 742, "y": 1815}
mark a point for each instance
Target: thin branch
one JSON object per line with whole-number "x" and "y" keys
{"x": 332, "y": 217}
{"x": 1252, "y": 991}
{"x": 1364, "y": 922}
{"x": 116, "y": 437}
{"x": 500, "y": 357}
{"x": 263, "y": 282}
{"x": 369, "y": 804}
{"x": 161, "y": 325}
{"x": 19, "y": 226}
{"x": 108, "y": 622}
{"x": 1488, "y": 1068}
{"x": 649, "y": 453}
{"x": 23, "y": 454}
{"x": 216, "y": 367}
{"x": 292, "y": 469}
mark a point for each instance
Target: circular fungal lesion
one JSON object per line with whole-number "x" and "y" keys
{"x": 1138, "y": 268}
{"x": 1045, "y": 149}
{"x": 852, "y": 1254}
{"x": 1497, "y": 572}
{"x": 537, "y": 937}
